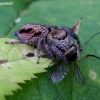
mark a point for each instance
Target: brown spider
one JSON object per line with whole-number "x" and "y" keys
{"x": 58, "y": 42}
{"x": 33, "y": 34}
{"x": 41, "y": 35}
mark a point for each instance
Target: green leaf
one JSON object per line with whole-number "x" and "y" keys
{"x": 60, "y": 13}
{"x": 16, "y": 67}
{"x": 9, "y": 14}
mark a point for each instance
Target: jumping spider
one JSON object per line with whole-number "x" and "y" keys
{"x": 32, "y": 34}
{"x": 58, "y": 42}
{"x": 37, "y": 34}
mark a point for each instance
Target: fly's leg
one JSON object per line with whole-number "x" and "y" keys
{"x": 85, "y": 45}
{"x": 89, "y": 55}
{"x": 71, "y": 53}
{"x": 69, "y": 50}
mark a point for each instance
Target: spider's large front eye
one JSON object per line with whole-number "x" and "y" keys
{"x": 16, "y": 33}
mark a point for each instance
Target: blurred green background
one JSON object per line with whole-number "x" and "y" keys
{"x": 59, "y": 13}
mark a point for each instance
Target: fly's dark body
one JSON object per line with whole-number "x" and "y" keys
{"x": 69, "y": 45}
{"x": 58, "y": 42}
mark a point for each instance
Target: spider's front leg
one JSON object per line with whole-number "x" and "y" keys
{"x": 39, "y": 45}
{"x": 58, "y": 53}
{"x": 47, "y": 49}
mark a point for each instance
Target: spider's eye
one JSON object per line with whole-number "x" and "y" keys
{"x": 16, "y": 33}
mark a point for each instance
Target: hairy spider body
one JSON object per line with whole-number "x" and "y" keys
{"x": 55, "y": 40}
{"x": 32, "y": 33}
{"x": 59, "y": 42}
{"x": 41, "y": 35}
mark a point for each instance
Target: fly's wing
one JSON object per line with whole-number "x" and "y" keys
{"x": 78, "y": 75}
{"x": 60, "y": 71}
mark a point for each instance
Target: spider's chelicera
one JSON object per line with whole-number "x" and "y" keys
{"x": 57, "y": 42}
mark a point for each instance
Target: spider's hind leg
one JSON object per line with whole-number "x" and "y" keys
{"x": 16, "y": 42}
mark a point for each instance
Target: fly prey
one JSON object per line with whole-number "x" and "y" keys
{"x": 67, "y": 46}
